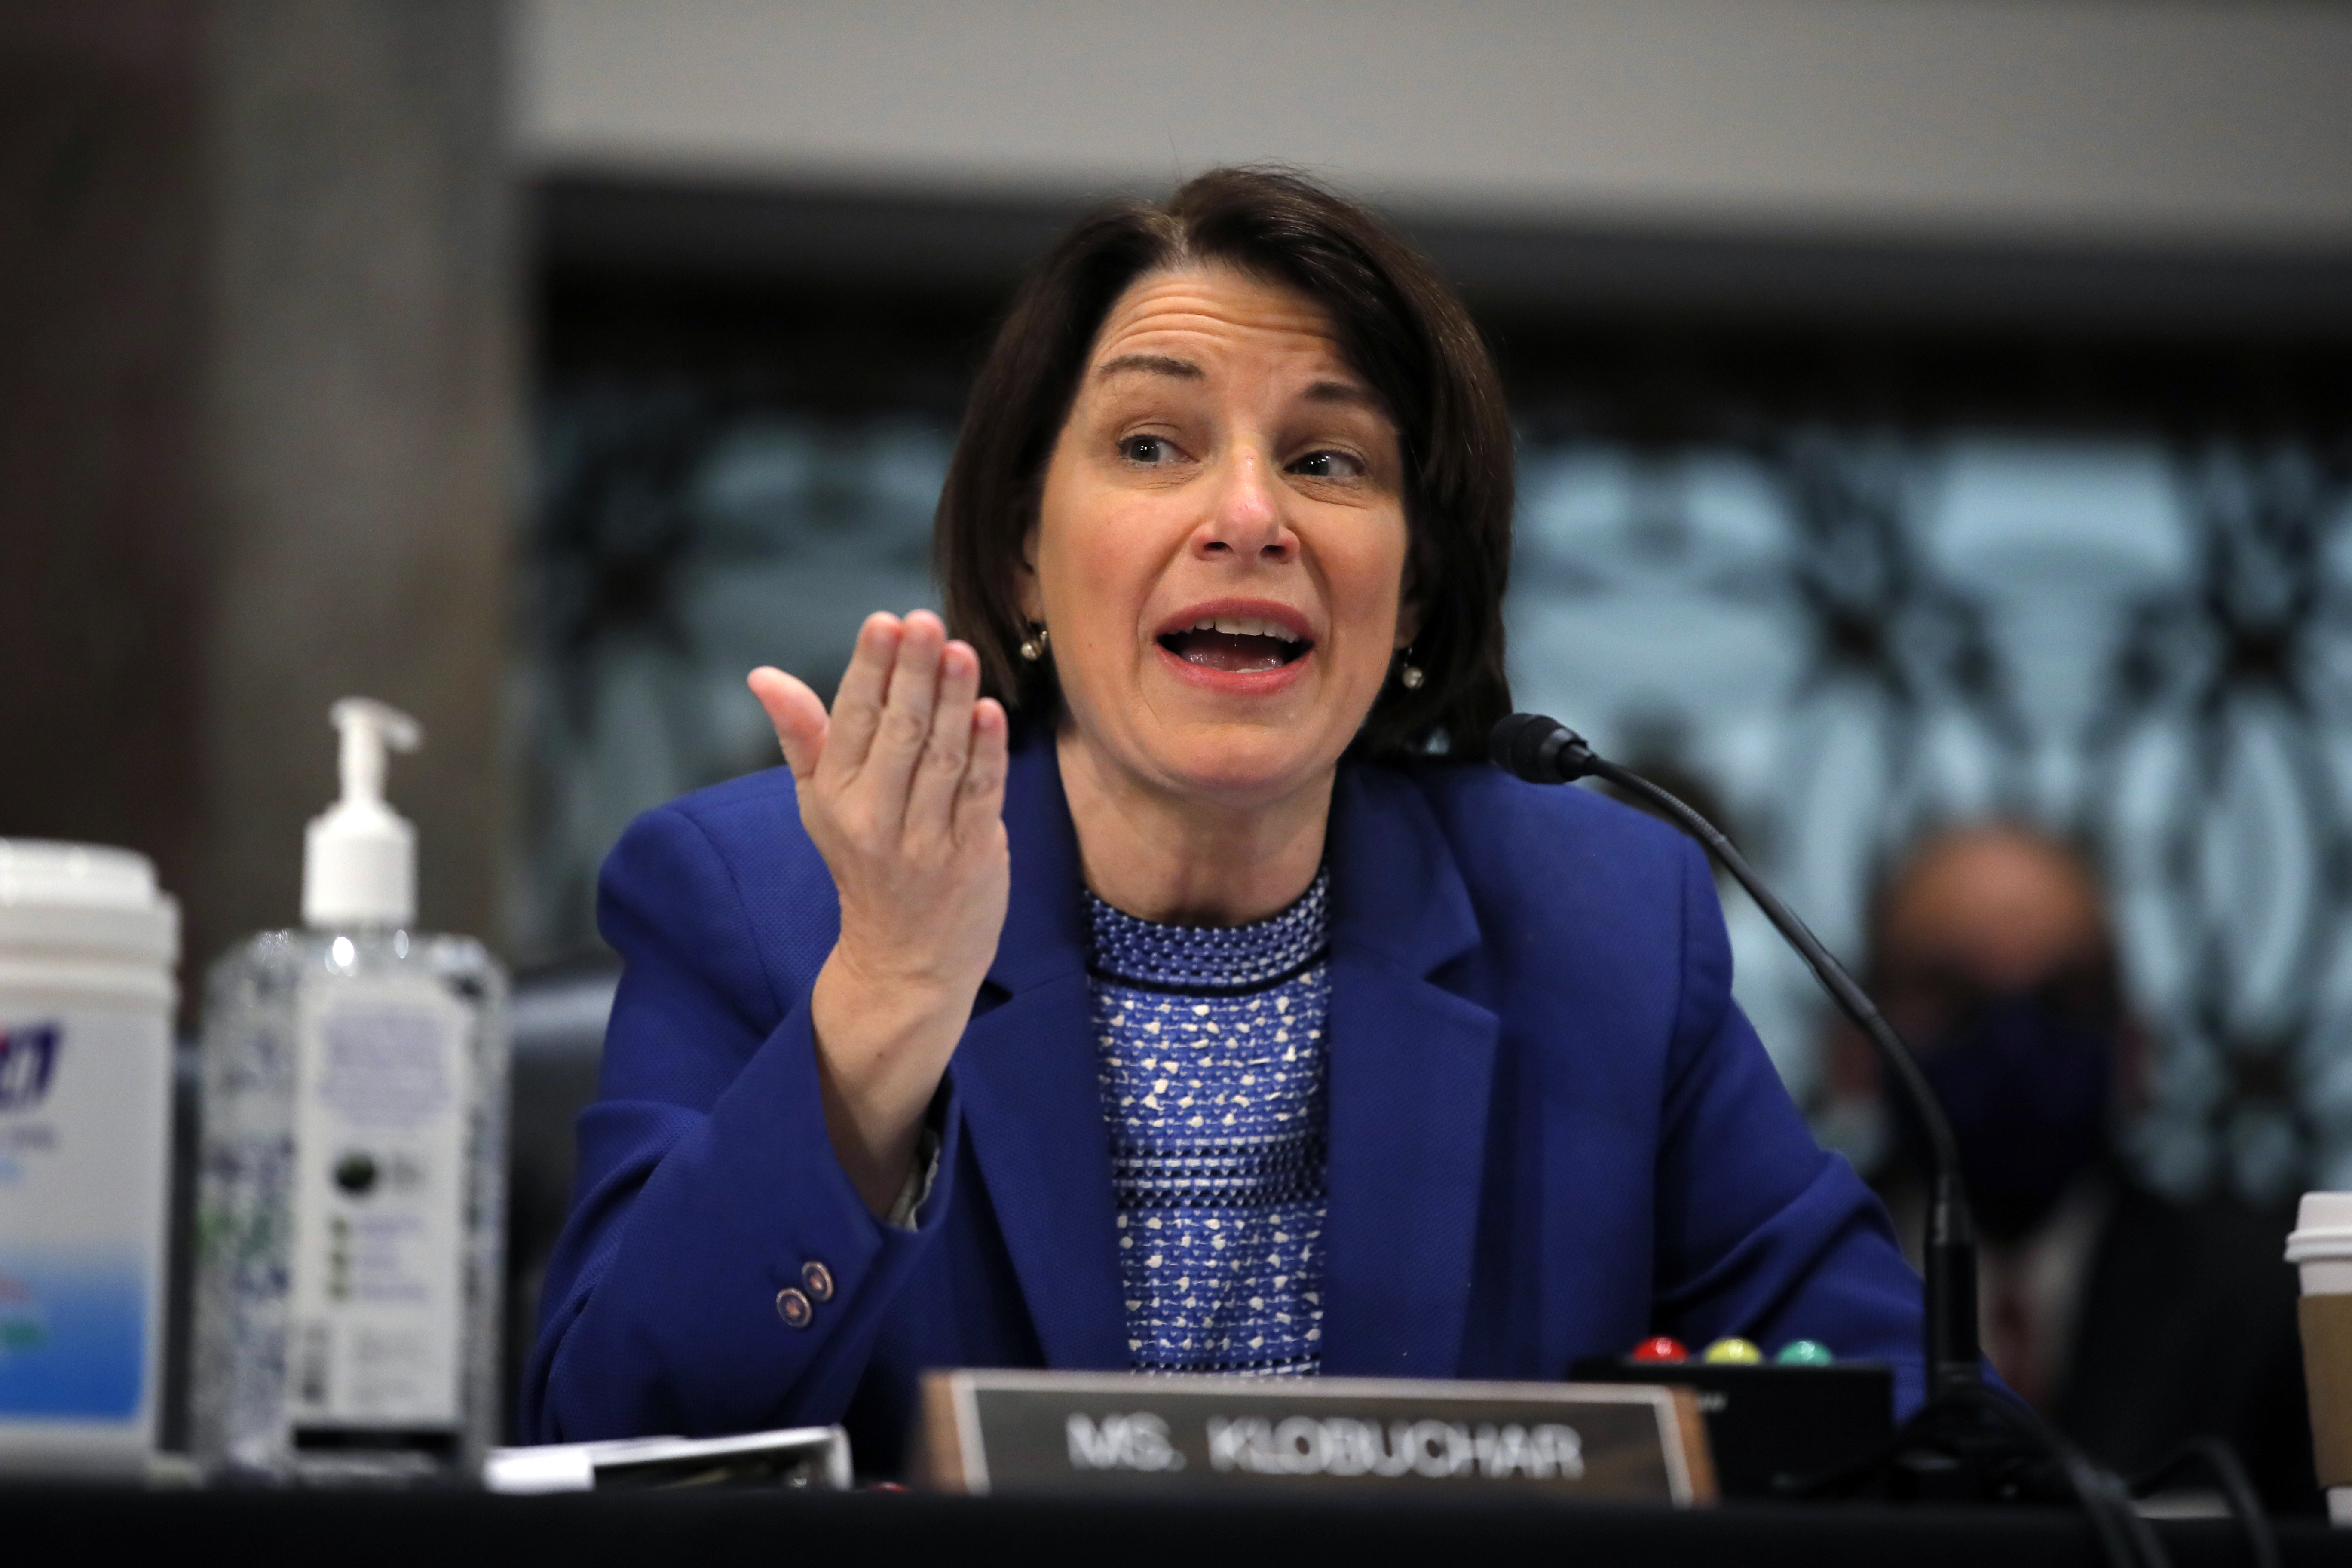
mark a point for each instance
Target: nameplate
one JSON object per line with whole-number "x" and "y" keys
{"x": 1092, "y": 1435}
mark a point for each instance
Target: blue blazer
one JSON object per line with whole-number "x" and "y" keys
{"x": 1552, "y": 1132}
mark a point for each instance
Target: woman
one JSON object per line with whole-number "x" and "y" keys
{"x": 1150, "y": 978}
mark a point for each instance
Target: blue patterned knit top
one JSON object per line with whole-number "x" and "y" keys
{"x": 1212, "y": 1063}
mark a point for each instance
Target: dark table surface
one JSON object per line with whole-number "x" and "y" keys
{"x": 447, "y": 1530}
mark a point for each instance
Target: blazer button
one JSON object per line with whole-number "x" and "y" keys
{"x": 819, "y": 1280}
{"x": 793, "y": 1308}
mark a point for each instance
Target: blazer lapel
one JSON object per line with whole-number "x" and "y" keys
{"x": 1026, "y": 1077}
{"x": 1410, "y": 1069}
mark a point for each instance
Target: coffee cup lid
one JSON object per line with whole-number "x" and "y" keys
{"x": 2322, "y": 1228}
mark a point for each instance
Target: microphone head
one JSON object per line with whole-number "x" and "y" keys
{"x": 1537, "y": 749}
{"x": 1503, "y": 742}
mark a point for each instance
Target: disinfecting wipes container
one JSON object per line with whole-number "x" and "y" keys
{"x": 87, "y": 946}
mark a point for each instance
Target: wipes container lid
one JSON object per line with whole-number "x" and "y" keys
{"x": 84, "y": 900}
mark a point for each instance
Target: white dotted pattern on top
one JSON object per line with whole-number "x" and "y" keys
{"x": 1213, "y": 1051}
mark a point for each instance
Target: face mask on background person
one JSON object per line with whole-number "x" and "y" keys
{"x": 2026, "y": 1078}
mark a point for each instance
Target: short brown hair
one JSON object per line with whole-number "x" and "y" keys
{"x": 1401, "y": 328}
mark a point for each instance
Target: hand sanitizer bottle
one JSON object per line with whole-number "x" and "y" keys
{"x": 352, "y": 1196}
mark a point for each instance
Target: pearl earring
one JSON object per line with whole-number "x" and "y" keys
{"x": 1409, "y": 675}
{"x": 1033, "y": 646}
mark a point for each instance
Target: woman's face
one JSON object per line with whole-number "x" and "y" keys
{"x": 1220, "y": 549}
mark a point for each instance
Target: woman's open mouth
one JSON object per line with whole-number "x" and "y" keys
{"x": 1236, "y": 644}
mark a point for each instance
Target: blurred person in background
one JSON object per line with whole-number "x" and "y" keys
{"x": 2133, "y": 1321}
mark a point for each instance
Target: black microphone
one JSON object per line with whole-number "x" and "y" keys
{"x": 1544, "y": 751}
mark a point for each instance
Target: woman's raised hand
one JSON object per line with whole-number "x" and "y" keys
{"x": 902, "y": 790}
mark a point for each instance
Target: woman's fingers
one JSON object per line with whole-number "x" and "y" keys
{"x": 910, "y": 755}
{"x": 938, "y": 774}
{"x": 798, "y": 715}
{"x": 980, "y": 803}
{"x": 865, "y": 687}
{"x": 905, "y": 725}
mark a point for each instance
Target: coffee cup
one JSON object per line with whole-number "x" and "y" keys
{"x": 2320, "y": 1247}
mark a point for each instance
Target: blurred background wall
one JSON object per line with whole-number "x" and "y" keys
{"x": 258, "y": 430}
{"x": 2077, "y": 120}
{"x": 1928, "y": 409}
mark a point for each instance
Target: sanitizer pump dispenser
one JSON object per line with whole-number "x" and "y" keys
{"x": 353, "y": 1198}
{"x": 359, "y": 856}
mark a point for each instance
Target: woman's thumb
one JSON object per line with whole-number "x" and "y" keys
{"x": 798, "y": 714}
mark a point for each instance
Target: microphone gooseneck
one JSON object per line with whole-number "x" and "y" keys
{"x": 1544, "y": 751}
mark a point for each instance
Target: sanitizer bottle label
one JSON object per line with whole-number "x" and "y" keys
{"x": 378, "y": 1286}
